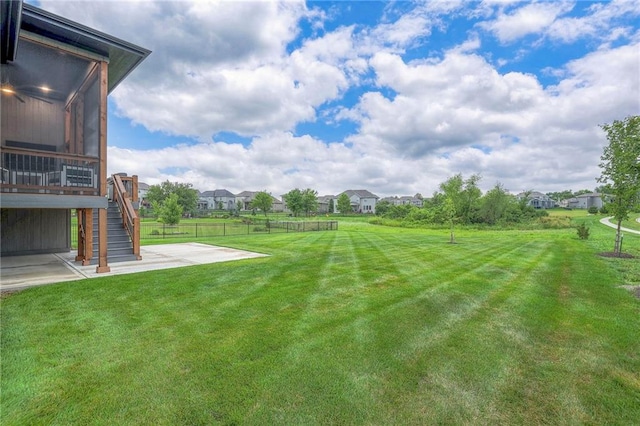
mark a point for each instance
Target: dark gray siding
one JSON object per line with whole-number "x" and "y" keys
{"x": 33, "y": 121}
{"x": 33, "y": 231}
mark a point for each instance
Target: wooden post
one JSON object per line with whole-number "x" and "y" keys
{"x": 102, "y": 213}
{"x": 78, "y": 139}
{"x": 88, "y": 235}
{"x": 134, "y": 188}
{"x": 81, "y": 242}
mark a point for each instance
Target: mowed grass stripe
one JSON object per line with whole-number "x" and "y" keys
{"x": 364, "y": 325}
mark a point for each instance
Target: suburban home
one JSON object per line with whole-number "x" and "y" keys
{"x": 143, "y": 189}
{"x": 586, "y": 201}
{"x": 415, "y": 200}
{"x": 362, "y": 201}
{"x": 537, "y": 200}
{"x": 324, "y": 203}
{"x": 246, "y": 197}
{"x": 218, "y": 199}
{"x": 55, "y": 78}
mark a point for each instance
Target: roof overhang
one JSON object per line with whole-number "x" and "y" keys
{"x": 123, "y": 57}
{"x": 10, "y": 15}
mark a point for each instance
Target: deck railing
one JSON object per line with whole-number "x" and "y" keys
{"x": 33, "y": 171}
{"x": 130, "y": 219}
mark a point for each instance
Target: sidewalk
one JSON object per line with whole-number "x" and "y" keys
{"x": 607, "y": 222}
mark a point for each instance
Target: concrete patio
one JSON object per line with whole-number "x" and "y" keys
{"x": 19, "y": 272}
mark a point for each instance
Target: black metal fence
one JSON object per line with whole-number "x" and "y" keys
{"x": 207, "y": 230}
{"x": 149, "y": 230}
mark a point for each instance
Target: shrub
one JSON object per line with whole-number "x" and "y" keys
{"x": 155, "y": 232}
{"x": 604, "y": 210}
{"x": 583, "y": 231}
{"x": 593, "y": 210}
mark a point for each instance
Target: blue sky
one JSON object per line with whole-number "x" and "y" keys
{"x": 393, "y": 97}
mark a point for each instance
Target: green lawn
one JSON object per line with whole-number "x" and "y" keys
{"x": 364, "y": 325}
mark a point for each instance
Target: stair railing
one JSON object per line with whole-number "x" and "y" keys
{"x": 130, "y": 219}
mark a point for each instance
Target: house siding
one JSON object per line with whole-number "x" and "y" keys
{"x": 33, "y": 122}
{"x": 35, "y": 231}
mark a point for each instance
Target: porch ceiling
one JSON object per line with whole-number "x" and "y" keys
{"x": 44, "y": 72}
{"x": 123, "y": 56}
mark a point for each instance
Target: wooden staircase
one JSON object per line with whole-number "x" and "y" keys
{"x": 119, "y": 244}
{"x": 122, "y": 228}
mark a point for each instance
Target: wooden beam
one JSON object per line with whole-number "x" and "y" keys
{"x": 80, "y": 214}
{"x": 68, "y": 126}
{"x": 78, "y": 140}
{"x": 102, "y": 178}
{"x": 88, "y": 233}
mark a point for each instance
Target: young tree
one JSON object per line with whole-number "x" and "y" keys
{"x": 621, "y": 168}
{"x": 262, "y": 201}
{"x": 170, "y": 211}
{"x": 331, "y": 207}
{"x": 344, "y": 204}
{"x": 449, "y": 212}
{"x": 293, "y": 201}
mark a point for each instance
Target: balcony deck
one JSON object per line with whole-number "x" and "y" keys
{"x": 29, "y": 171}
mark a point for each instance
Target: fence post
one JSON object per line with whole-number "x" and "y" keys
{"x": 163, "y": 231}
{"x": 196, "y": 229}
{"x": 224, "y": 229}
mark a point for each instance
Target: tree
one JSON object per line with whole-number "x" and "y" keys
{"x": 331, "y": 207}
{"x": 464, "y": 194}
{"x": 262, "y": 201}
{"x": 293, "y": 201}
{"x": 494, "y": 204}
{"x": 382, "y": 208}
{"x": 621, "y": 168}
{"x": 344, "y": 204}
{"x": 187, "y": 196}
{"x": 170, "y": 211}
{"x": 309, "y": 201}
{"x": 561, "y": 195}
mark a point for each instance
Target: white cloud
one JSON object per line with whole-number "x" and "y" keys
{"x": 242, "y": 67}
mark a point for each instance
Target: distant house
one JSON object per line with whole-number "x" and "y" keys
{"x": 586, "y": 201}
{"x": 246, "y": 197}
{"x": 143, "y": 189}
{"x": 415, "y": 200}
{"x": 218, "y": 198}
{"x": 324, "y": 201}
{"x": 537, "y": 200}
{"x": 362, "y": 201}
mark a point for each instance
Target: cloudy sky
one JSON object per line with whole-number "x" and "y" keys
{"x": 393, "y": 97}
